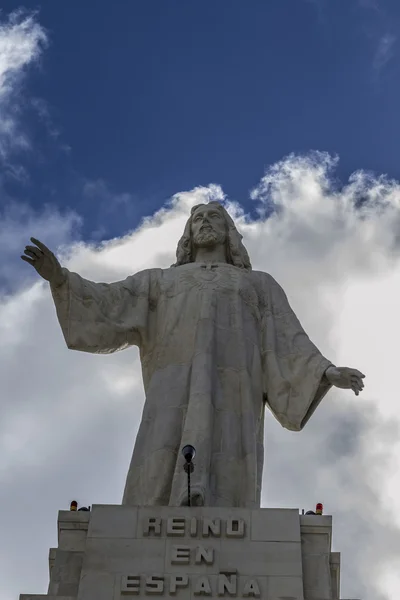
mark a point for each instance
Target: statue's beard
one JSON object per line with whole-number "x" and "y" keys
{"x": 208, "y": 238}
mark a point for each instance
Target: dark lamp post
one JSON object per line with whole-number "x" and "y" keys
{"x": 189, "y": 453}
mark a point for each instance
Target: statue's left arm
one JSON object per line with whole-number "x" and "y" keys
{"x": 295, "y": 373}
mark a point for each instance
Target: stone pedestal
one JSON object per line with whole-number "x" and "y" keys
{"x": 122, "y": 553}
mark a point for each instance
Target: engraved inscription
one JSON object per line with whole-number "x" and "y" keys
{"x": 251, "y": 589}
{"x": 227, "y": 584}
{"x": 180, "y": 555}
{"x": 154, "y": 584}
{"x": 201, "y": 585}
{"x": 194, "y": 527}
{"x": 176, "y": 526}
{"x": 130, "y": 584}
{"x": 153, "y": 525}
{"x": 235, "y": 528}
{"x": 178, "y": 581}
{"x": 205, "y": 555}
{"x": 211, "y": 527}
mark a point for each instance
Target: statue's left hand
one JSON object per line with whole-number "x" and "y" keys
{"x": 345, "y": 378}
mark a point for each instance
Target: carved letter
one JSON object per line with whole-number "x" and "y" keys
{"x": 206, "y": 554}
{"x": 152, "y": 523}
{"x": 235, "y": 528}
{"x": 177, "y": 581}
{"x": 154, "y": 584}
{"x": 193, "y": 526}
{"x": 212, "y": 526}
{"x": 180, "y": 555}
{"x": 202, "y": 587}
{"x": 130, "y": 584}
{"x": 175, "y": 526}
{"x": 251, "y": 589}
{"x": 225, "y": 584}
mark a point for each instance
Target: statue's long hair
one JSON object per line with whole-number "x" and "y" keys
{"x": 236, "y": 253}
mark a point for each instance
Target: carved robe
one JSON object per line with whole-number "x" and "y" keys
{"x": 217, "y": 344}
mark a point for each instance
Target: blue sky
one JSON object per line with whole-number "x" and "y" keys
{"x": 148, "y": 97}
{"x": 286, "y": 111}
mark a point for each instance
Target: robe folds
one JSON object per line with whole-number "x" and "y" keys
{"x": 217, "y": 344}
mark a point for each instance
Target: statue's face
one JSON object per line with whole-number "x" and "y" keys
{"x": 208, "y": 226}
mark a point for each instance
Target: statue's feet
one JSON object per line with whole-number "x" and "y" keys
{"x": 196, "y": 498}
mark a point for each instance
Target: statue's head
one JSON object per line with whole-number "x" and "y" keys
{"x": 210, "y": 225}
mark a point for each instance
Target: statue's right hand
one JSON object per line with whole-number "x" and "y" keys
{"x": 44, "y": 261}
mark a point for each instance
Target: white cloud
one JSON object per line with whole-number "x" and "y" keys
{"x": 22, "y": 40}
{"x": 69, "y": 420}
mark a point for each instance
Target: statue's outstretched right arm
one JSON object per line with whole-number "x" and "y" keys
{"x": 45, "y": 262}
{"x": 94, "y": 317}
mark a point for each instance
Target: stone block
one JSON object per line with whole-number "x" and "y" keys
{"x": 316, "y": 539}
{"x": 105, "y": 555}
{"x": 66, "y": 573}
{"x": 52, "y": 558}
{"x": 335, "y": 574}
{"x": 282, "y": 559}
{"x": 97, "y": 586}
{"x": 44, "y": 597}
{"x": 72, "y": 539}
{"x": 72, "y": 529}
{"x": 317, "y": 580}
{"x": 316, "y": 520}
{"x": 287, "y": 588}
{"x": 113, "y": 522}
{"x": 275, "y": 525}
{"x": 73, "y": 519}
{"x": 316, "y": 533}
{"x": 316, "y": 543}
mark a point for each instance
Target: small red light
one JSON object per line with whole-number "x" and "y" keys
{"x": 319, "y": 509}
{"x": 73, "y": 505}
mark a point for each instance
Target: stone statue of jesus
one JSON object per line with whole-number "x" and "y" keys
{"x": 218, "y": 343}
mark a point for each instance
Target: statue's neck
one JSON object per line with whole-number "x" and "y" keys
{"x": 209, "y": 255}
